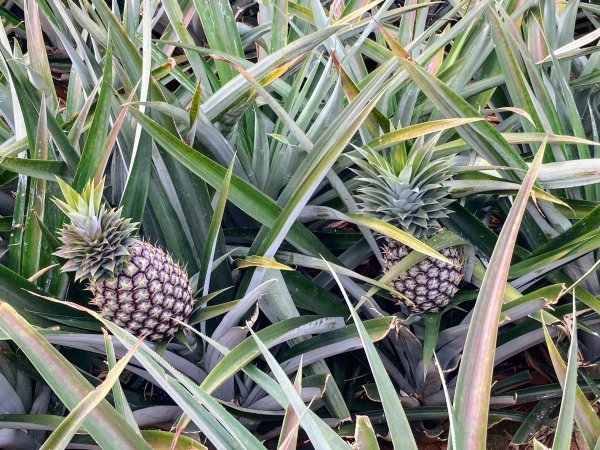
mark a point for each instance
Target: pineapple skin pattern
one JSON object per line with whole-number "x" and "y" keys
{"x": 429, "y": 285}
{"x": 149, "y": 296}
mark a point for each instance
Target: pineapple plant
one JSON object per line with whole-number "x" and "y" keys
{"x": 134, "y": 284}
{"x": 411, "y": 195}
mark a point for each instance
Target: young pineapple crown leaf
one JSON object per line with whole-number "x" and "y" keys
{"x": 96, "y": 241}
{"x": 412, "y": 197}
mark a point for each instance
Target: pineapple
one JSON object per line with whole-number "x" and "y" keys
{"x": 413, "y": 198}
{"x": 135, "y": 284}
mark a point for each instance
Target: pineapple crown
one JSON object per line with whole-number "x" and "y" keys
{"x": 410, "y": 195}
{"x": 96, "y": 241}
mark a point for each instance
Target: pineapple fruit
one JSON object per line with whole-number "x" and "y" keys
{"x": 135, "y": 284}
{"x": 412, "y": 197}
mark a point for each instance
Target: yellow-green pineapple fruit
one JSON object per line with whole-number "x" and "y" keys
{"x": 136, "y": 285}
{"x": 411, "y": 196}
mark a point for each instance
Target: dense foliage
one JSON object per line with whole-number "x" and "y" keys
{"x": 326, "y": 173}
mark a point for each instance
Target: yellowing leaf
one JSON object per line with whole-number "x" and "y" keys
{"x": 261, "y": 261}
